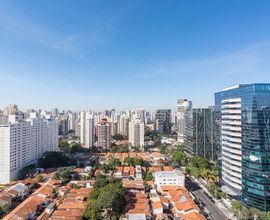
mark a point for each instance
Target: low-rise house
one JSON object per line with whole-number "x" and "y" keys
{"x": 128, "y": 172}
{"x": 18, "y": 190}
{"x": 119, "y": 172}
{"x": 133, "y": 185}
{"x": 34, "y": 204}
{"x": 5, "y": 199}
{"x": 139, "y": 204}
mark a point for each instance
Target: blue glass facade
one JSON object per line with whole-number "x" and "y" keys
{"x": 255, "y": 144}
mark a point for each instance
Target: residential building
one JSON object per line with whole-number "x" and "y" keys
{"x": 169, "y": 178}
{"x": 199, "y": 133}
{"x": 104, "y": 134}
{"x": 82, "y": 128}
{"x": 243, "y": 138}
{"x": 183, "y": 105}
{"x": 11, "y": 109}
{"x": 136, "y": 133}
{"x": 23, "y": 142}
{"x": 71, "y": 121}
{"x": 89, "y": 130}
{"x": 123, "y": 124}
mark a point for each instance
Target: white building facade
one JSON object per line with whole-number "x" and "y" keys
{"x": 169, "y": 178}
{"x": 23, "y": 142}
{"x": 136, "y": 133}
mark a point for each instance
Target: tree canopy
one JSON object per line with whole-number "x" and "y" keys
{"x": 179, "y": 158}
{"x": 54, "y": 160}
{"x": 107, "y": 200}
{"x": 133, "y": 161}
{"x": 64, "y": 174}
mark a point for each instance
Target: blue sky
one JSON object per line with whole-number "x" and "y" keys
{"x": 129, "y": 54}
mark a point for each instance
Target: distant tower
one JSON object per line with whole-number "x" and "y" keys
{"x": 124, "y": 120}
{"x": 89, "y": 130}
{"x": 183, "y": 105}
{"x": 136, "y": 133}
{"x": 82, "y": 127}
{"x": 104, "y": 134}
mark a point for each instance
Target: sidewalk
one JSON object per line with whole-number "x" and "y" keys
{"x": 219, "y": 203}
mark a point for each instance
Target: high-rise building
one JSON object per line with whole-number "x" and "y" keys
{"x": 243, "y": 136}
{"x": 63, "y": 125}
{"x": 183, "y": 105}
{"x": 82, "y": 127}
{"x": 89, "y": 130}
{"x": 104, "y": 134}
{"x": 136, "y": 133}
{"x": 23, "y": 142}
{"x": 71, "y": 121}
{"x": 11, "y": 109}
{"x": 123, "y": 124}
{"x": 163, "y": 120}
{"x": 199, "y": 133}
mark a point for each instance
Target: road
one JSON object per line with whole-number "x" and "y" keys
{"x": 215, "y": 212}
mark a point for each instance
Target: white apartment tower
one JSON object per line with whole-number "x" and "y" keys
{"x": 89, "y": 130}
{"x": 123, "y": 124}
{"x": 23, "y": 142}
{"x": 183, "y": 105}
{"x": 136, "y": 133}
{"x": 71, "y": 121}
{"x": 82, "y": 127}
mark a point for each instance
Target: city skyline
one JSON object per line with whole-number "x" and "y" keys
{"x": 129, "y": 55}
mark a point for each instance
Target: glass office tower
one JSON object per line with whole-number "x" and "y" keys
{"x": 199, "y": 133}
{"x": 243, "y": 137}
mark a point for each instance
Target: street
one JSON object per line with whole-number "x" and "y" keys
{"x": 215, "y": 212}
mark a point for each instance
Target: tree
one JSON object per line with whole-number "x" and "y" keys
{"x": 107, "y": 168}
{"x": 64, "y": 174}
{"x": 195, "y": 172}
{"x": 120, "y": 149}
{"x": 64, "y": 145}
{"x": 162, "y": 148}
{"x": 208, "y": 175}
{"x": 101, "y": 181}
{"x": 149, "y": 176}
{"x": 200, "y": 162}
{"x": 237, "y": 207}
{"x": 255, "y": 213}
{"x": 265, "y": 216}
{"x": 133, "y": 161}
{"x": 179, "y": 158}
{"x": 54, "y": 160}
{"x": 93, "y": 211}
{"x": 213, "y": 189}
{"x": 106, "y": 202}
{"x": 4, "y": 208}
{"x": 245, "y": 213}
{"x": 39, "y": 178}
{"x": 114, "y": 161}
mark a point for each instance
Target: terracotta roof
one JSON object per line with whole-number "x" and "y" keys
{"x": 157, "y": 205}
{"x": 186, "y": 206}
{"x": 164, "y": 200}
{"x": 172, "y": 188}
{"x": 25, "y": 208}
{"x": 154, "y": 169}
{"x": 168, "y": 168}
{"x": 193, "y": 216}
{"x": 70, "y": 215}
{"x": 72, "y": 206}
